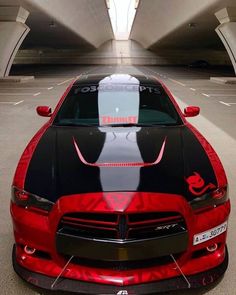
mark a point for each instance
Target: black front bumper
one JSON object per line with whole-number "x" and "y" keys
{"x": 80, "y": 287}
{"x": 123, "y": 250}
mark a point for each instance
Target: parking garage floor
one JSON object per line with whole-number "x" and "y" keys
{"x": 19, "y": 122}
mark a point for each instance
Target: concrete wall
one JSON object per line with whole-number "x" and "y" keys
{"x": 121, "y": 52}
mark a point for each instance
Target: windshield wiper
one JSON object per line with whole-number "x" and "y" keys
{"x": 138, "y": 125}
{"x": 168, "y": 124}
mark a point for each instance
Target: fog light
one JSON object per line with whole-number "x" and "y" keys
{"x": 212, "y": 248}
{"x": 29, "y": 251}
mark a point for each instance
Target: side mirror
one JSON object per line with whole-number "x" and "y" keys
{"x": 191, "y": 111}
{"x": 44, "y": 111}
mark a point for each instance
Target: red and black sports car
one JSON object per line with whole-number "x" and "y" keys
{"x": 119, "y": 194}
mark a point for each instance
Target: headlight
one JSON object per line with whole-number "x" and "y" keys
{"x": 214, "y": 198}
{"x": 30, "y": 201}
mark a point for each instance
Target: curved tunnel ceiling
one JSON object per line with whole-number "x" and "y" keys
{"x": 178, "y": 23}
{"x": 83, "y": 24}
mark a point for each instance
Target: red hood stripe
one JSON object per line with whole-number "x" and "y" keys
{"x": 121, "y": 164}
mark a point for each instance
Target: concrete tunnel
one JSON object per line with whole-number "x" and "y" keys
{"x": 45, "y": 32}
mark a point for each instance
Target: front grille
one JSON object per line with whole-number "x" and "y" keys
{"x": 122, "y": 240}
{"x": 136, "y": 226}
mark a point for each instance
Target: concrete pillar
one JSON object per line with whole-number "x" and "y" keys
{"x": 12, "y": 33}
{"x": 227, "y": 31}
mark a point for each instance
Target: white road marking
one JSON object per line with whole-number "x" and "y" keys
{"x": 225, "y": 103}
{"x": 222, "y": 94}
{"x": 193, "y": 89}
{"x": 207, "y": 95}
{"x": 18, "y": 102}
{"x": 12, "y": 102}
{"x": 23, "y": 88}
{"x": 216, "y": 89}
{"x": 50, "y": 88}
{"x": 16, "y": 94}
{"x": 37, "y": 94}
{"x": 177, "y": 82}
{"x": 65, "y": 81}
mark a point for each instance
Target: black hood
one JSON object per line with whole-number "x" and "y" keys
{"x": 75, "y": 160}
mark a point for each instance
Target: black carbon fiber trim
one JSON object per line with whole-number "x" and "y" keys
{"x": 110, "y": 250}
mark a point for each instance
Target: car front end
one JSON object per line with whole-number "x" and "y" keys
{"x": 147, "y": 244}
{"x": 124, "y": 207}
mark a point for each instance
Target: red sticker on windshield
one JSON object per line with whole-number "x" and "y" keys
{"x": 126, "y": 120}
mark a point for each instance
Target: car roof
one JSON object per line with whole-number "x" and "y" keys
{"x": 109, "y": 78}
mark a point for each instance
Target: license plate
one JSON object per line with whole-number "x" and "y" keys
{"x": 210, "y": 234}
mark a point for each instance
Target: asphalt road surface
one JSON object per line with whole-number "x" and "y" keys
{"x": 19, "y": 122}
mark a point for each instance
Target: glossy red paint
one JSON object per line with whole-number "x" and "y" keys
{"x": 191, "y": 111}
{"x": 120, "y": 278}
{"x": 41, "y": 235}
{"x": 127, "y": 164}
{"x": 213, "y": 157}
{"x": 44, "y": 111}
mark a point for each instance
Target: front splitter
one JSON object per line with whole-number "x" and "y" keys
{"x": 81, "y": 287}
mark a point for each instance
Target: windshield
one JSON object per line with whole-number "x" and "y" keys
{"x": 117, "y": 105}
